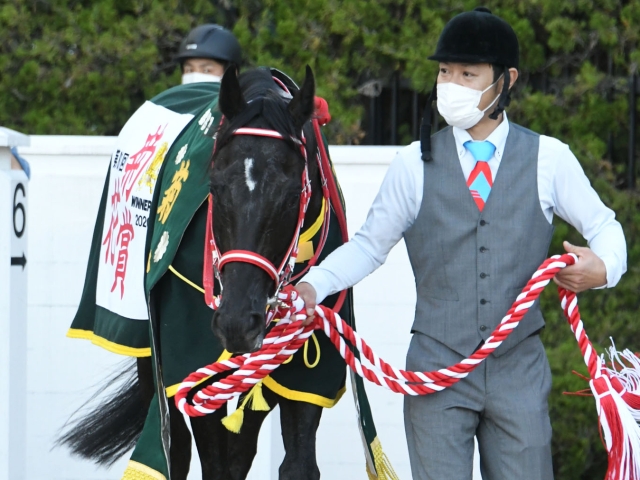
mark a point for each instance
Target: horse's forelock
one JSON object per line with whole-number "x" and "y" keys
{"x": 265, "y": 102}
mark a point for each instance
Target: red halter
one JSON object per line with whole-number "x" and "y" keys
{"x": 281, "y": 275}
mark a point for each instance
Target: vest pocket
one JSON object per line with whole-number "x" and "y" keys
{"x": 434, "y": 283}
{"x": 441, "y": 294}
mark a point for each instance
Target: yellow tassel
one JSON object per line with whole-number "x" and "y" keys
{"x": 384, "y": 469}
{"x": 234, "y": 421}
{"x": 258, "y": 403}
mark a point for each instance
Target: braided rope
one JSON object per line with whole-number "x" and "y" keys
{"x": 617, "y": 394}
{"x": 289, "y": 335}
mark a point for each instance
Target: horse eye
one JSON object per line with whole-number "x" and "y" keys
{"x": 216, "y": 183}
{"x": 218, "y": 191}
{"x": 293, "y": 199}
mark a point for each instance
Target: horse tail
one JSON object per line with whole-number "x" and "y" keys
{"x": 109, "y": 424}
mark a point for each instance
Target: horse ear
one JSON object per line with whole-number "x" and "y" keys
{"x": 231, "y": 101}
{"x": 302, "y": 105}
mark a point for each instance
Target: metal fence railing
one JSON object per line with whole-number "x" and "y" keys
{"x": 394, "y": 109}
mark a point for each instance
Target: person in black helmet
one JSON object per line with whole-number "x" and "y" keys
{"x": 206, "y": 52}
{"x": 474, "y": 204}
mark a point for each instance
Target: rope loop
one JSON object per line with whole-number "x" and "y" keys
{"x": 290, "y": 334}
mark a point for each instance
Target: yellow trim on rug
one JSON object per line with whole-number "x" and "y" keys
{"x": 305, "y": 252}
{"x": 171, "y": 391}
{"x": 308, "y": 234}
{"x": 107, "y": 344}
{"x": 185, "y": 279}
{"x": 318, "y": 400}
{"x": 138, "y": 471}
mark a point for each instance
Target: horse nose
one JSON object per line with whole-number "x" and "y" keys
{"x": 239, "y": 334}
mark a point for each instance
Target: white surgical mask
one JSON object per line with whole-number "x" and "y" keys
{"x": 197, "y": 77}
{"x": 458, "y": 105}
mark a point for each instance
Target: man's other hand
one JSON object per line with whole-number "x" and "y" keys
{"x": 588, "y": 272}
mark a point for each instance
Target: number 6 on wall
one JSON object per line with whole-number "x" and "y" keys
{"x": 19, "y": 207}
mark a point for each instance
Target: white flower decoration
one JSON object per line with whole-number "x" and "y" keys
{"x": 206, "y": 121}
{"x": 161, "y": 248}
{"x": 181, "y": 153}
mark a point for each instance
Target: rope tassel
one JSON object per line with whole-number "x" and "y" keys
{"x": 259, "y": 403}
{"x": 234, "y": 422}
{"x": 384, "y": 469}
{"x": 620, "y": 430}
{"x": 616, "y": 391}
{"x": 617, "y": 394}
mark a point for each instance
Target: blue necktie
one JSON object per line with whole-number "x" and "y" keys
{"x": 480, "y": 181}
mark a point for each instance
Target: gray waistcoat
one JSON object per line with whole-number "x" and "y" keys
{"x": 469, "y": 265}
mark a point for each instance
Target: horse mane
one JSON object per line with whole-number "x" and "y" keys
{"x": 265, "y": 100}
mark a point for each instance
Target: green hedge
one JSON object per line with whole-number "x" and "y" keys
{"x": 82, "y": 67}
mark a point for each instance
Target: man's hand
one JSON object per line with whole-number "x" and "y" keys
{"x": 308, "y": 294}
{"x": 589, "y": 272}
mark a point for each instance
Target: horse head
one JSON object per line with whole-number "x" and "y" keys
{"x": 256, "y": 185}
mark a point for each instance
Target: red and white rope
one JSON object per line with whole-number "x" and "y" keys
{"x": 617, "y": 393}
{"x": 259, "y": 364}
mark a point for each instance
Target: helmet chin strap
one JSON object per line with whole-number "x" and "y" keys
{"x": 504, "y": 100}
{"x": 425, "y": 128}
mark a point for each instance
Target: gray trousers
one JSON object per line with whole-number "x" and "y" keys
{"x": 503, "y": 402}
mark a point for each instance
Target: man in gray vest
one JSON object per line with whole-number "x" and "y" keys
{"x": 474, "y": 204}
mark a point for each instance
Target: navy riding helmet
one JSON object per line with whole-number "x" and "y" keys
{"x": 210, "y": 41}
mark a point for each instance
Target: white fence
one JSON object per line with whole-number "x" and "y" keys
{"x": 67, "y": 179}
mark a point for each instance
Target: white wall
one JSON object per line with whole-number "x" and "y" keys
{"x": 67, "y": 179}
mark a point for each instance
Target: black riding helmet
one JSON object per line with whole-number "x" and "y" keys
{"x": 210, "y": 41}
{"x": 477, "y": 36}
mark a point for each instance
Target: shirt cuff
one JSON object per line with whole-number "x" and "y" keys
{"x": 613, "y": 274}
{"x": 319, "y": 281}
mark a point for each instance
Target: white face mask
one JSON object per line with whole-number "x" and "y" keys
{"x": 197, "y": 77}
{"x": 458, "y": 105}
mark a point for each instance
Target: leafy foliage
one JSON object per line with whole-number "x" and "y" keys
{"x": 83, "y": 67}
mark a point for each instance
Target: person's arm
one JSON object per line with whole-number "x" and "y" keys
{"x": 393, "y": 211}
{"x": 575, "y": 201}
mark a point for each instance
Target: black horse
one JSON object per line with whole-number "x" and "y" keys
{"x": 256, "y": 183}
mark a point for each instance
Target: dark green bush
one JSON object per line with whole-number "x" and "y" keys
{"x": 82, "y": 67}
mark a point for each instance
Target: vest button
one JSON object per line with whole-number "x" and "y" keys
{"x": 483, "y": 302}
{"x": 483, "y": 328}
{"x": 483, "y": 275}
{"x": 483, "y": 223}
{"x": 483, "y": 249}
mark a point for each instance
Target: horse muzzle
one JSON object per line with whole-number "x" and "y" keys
{"x": 239, "y": 334}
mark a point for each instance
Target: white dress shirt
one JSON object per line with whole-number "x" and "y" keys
{"x": 563, "y": 189}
